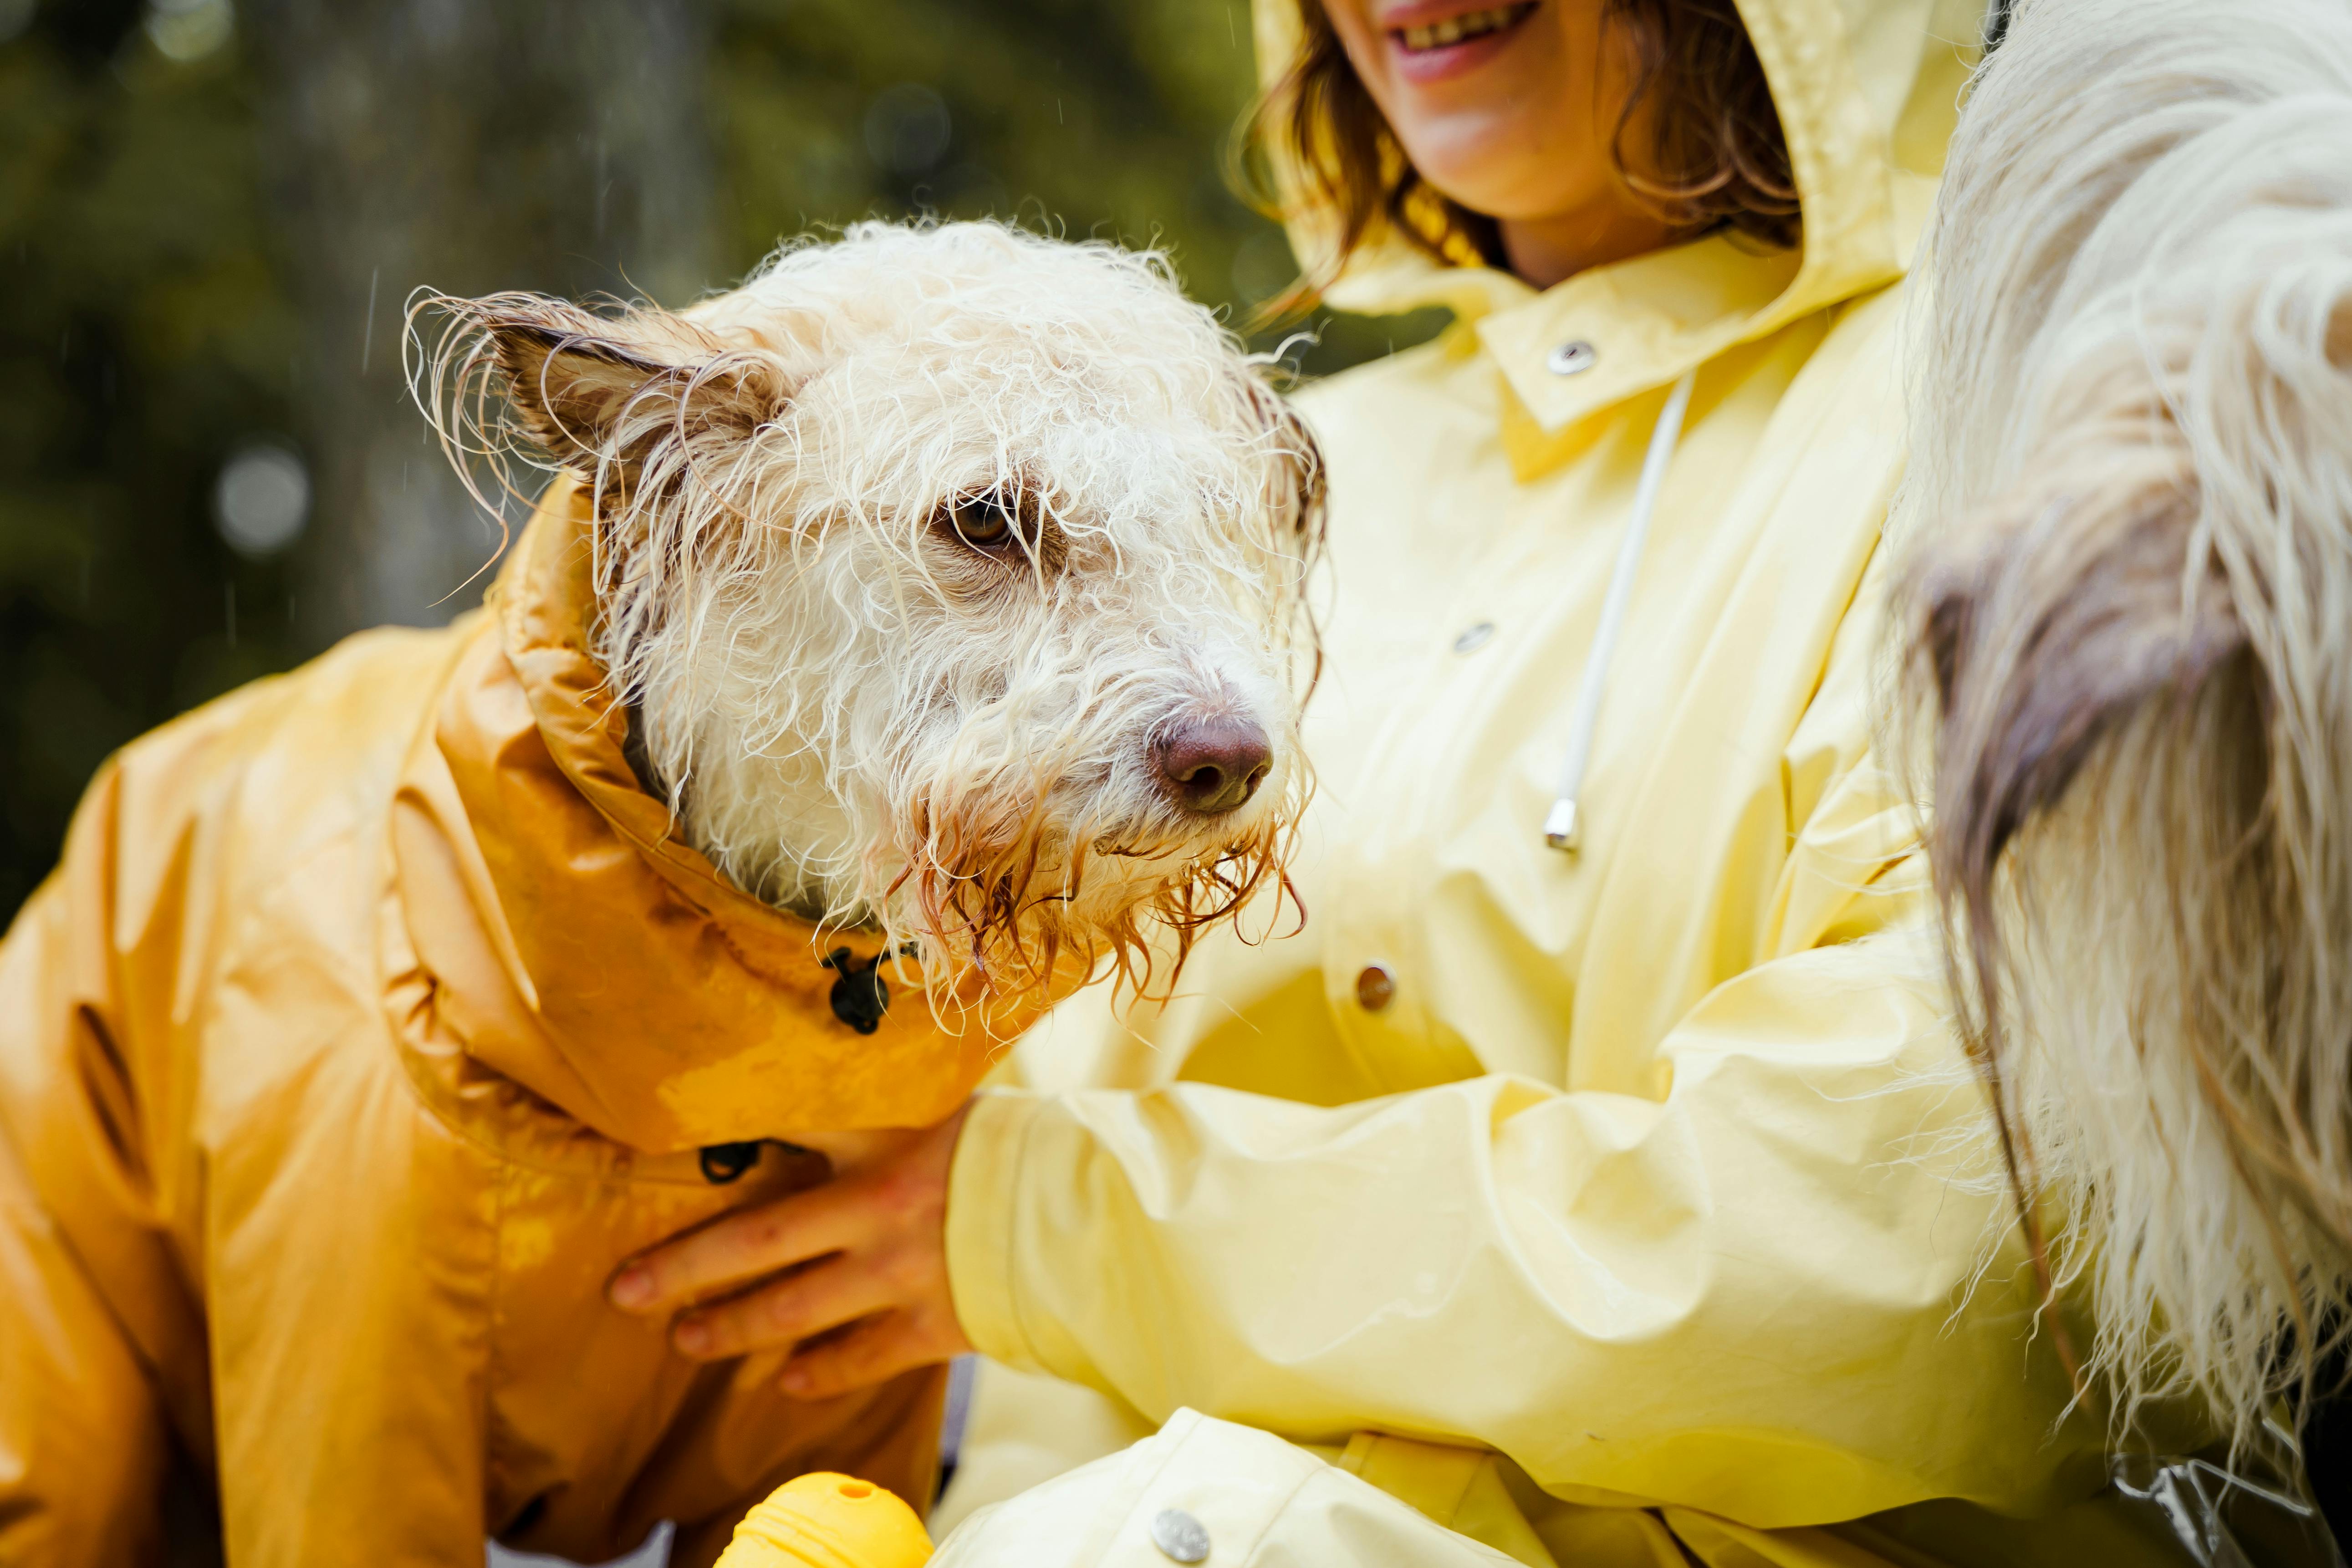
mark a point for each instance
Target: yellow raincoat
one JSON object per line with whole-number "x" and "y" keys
{"x": 370, "y": 1020}
{"x": 1604, "y": 1208}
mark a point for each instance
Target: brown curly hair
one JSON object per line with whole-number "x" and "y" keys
{"x": 1714, "y": 156}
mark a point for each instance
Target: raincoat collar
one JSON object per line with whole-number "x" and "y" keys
{"x": 1867, "y": 91}
{"x": 577, "y": 946}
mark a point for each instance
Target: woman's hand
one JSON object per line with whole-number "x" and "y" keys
{"x": 868, "y": 1248}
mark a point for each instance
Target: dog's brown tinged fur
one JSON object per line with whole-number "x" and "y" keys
{"x": 2058, "y": 618}
{"x": 2127, "y": 584}
{"x": 776, "y": 476}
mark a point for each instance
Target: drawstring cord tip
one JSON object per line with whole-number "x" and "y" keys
{"x": 1560, "y": 826}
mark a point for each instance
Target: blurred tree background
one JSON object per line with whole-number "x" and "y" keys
{"x": 211, "y": 212}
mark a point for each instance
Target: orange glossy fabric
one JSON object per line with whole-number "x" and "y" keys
{"x": 369, "y": 1022}
{"x": 520, "y": 827}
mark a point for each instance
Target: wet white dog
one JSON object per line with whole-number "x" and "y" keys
{"x": 954, "y": 577}
{"x": 2129, "y": 517}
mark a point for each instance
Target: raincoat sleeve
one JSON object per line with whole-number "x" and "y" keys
{"x": 83, "y": 1438}
{"x": 1775, "y": 1291}
{"x": 108, "y": 1358}
{"x": 101, "y": 1354}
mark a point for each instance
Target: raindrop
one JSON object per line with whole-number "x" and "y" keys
{"x": 906, "y": 128}
{"x": 367, "y": 335}
{"x": 262, "y": 500}
{"x": 603, "y": 184}
{"x": 187, "y": 30}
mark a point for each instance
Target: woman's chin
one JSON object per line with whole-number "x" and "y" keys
{"x": 1477, "y": 157}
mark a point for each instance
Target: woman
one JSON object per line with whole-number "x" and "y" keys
{"x": 1583, "y": 1175}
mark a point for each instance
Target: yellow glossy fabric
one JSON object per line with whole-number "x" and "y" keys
{"x": 1267, "y": 1503}
{"x": 370, "y": 1021}
{"x": 1640, "y": 1192}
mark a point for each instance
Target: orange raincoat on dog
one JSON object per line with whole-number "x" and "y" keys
{"x": 371, "y": 1019}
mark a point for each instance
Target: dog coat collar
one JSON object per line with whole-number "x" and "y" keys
{"x": 580, "y": 949}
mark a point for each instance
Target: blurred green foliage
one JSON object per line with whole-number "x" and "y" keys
{"x": 162, "y": 265}
{"x": 143, "y": 330}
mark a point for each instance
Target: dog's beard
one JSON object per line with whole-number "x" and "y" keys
{"x": 1015, "y": 834}
{"x": 998, "y": 887}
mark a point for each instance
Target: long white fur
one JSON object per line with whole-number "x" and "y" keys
{"x": 858, "y": 718}
{"x": 2139, "y": 313}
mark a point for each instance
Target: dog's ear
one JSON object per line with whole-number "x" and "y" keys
{"x": 603, "y": 395}
{"x": 2043, "y": 626}
{"x": 571, "y": 382}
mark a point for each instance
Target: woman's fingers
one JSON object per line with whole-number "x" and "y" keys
{"x": 879, "y": 1348}
{"x": 781, "y": 1312}
{"x": 867, "y": 1250}
{"x": 741, "y": 1246}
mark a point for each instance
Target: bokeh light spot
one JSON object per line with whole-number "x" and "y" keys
{"x": 261, "y": 500}
{"x": 188, "y": 30}
{"x": 16, "y": 15}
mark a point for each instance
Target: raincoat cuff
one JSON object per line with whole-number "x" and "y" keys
{"x": 982, "y": 1195}
{"x": 1207, "y": 1491}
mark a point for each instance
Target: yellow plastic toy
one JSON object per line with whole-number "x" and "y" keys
{"x": 828, "y": 1520}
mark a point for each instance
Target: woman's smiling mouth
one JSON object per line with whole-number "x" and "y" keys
{"x": 1430, "y": 42}
{"x": 1423, "y": 37}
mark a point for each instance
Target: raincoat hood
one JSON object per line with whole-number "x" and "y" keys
{"x": 1867, "y": 91}
{"x": 579, "y": 947}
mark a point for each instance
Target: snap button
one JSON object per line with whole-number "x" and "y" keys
{"x": 1180, "y": 1535}
{"x": 860, "y": 996}
{"x": 1573, "y": 358}
{"x": 1375, "y": 988}
{"x": 724, "y": 1163}
{"x": 1472, "y": 638}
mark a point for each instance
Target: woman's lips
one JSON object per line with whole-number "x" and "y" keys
{"x": 1430, "y": 42}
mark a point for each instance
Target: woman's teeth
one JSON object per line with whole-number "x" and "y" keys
{"x": 1461, "y": 28}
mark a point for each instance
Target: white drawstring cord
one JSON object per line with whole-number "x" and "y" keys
{"x": 1563, "y": 826}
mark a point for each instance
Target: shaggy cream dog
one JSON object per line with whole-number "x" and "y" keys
{"x": 2129, "y": 519}
{"x": 955, "y": 574}
{"x": 943, "y": 590}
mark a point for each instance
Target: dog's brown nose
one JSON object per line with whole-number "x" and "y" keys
{"x": 1211, "y": 765}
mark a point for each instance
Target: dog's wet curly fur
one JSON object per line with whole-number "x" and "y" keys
{"x": 2128, "y": 529}
{"x": 909, "y": 551}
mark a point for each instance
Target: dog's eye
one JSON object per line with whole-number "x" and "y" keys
{"x": 983, "y": 522}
